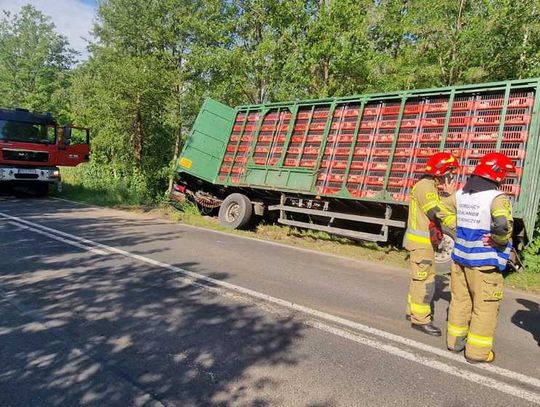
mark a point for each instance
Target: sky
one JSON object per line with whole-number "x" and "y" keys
{"x": 73, "y": 18}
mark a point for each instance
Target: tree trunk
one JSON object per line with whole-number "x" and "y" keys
{"x": 452, "y": 73}
{"x": 178, "y": 135}
{"x": 138, "y": 136}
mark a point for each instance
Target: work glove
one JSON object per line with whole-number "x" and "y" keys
{"x": 435, "y": 235}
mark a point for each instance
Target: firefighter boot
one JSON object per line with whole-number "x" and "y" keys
{"x": 428, "y": 328}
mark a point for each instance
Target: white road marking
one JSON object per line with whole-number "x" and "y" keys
{"x": 60, "y": 239}
{"x": 218, "y": 286}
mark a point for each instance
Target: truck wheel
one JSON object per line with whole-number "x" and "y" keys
{"x": 236, "y": 211}
{"x": 443, "y": 258}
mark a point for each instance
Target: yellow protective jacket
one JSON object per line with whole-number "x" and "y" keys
{"x": 426, "y": 205}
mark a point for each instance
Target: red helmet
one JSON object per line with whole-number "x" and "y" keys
{"x": 494, "y": 166}
{"x": 440, "y": 163}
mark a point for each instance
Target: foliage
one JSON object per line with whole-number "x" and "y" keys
{"x": 35, "y": 63}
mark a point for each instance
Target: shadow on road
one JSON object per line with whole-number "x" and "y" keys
{"x": 529, "y": 318}
{"x": 106, "y": 331}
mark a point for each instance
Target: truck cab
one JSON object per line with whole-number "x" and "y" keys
{"x": 33, "y": 146}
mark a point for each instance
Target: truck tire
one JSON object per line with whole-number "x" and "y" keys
{"x": 236, "y": 211}
{"x": 443, "y": 259}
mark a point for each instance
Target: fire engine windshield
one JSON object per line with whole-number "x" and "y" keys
{"x": 26, "y": 132}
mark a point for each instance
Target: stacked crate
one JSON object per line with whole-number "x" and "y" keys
{"x": 238, "y": 148}
{"x": 357, "y": 151}
{"x": 337, "y": 150}
{"x": 306, "y": 137}
{"x": 399, "y": 180}
{"x": 272, "y": 135}
{"x": 358, "y": 168}
{"x": 484, "y": 133}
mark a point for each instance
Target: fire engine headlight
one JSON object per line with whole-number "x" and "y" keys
{"x": 55, "y": 173}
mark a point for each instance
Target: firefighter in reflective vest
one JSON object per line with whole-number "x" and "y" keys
{"x": 481, "y": 252}
{"x": 427, "y": 214}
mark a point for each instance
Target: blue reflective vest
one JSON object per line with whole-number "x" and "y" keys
{"x": 473, "y": 222}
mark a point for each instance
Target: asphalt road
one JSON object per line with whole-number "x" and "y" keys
{"x": 103, "y": 307}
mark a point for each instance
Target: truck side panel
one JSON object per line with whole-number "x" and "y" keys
{"x": 204, "y": 149}
{"x": 374, "y": 147}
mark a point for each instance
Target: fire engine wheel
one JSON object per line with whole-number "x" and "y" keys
{"x": 236, "y": 211}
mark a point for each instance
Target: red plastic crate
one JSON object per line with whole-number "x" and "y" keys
{"x": 363, "y": 151}
{"x": 406, "y": 137}
{"x": 370, "y": 180}
{"x": 289, "y": 162}
{"x": 514, "y": 102}
{"x": 513, "y": 190}
{"x": 368, "y": 124}
{"x": 372, "y": 110}
{"x": 311, "y": 151}
{"x": 337, "y": 151}
{"x": 331, "y": 177}
{"x": 439, "y": 121}
{"x": 391, "y": 109}
{"x": 400, "y": 167}
{"x": 308, "y": 163}
{"x": 342, "y": 138}
{"x": 493, "y": 103}
{"x": 378, "y": 166}
{"x": 343, "y": 126}
{"x": 355, "y": 179}
{"x": 403, "y": 152}
{"x": 517, "y": 101}
{"x": 399, "y": 182}
{"x": 358, "y": 165}
{"x": 441, "y": 105}
{"x": 338, "y": 165}
{"x": 480, "y": 152}
{"x": 348, "y": 112}
{"x": 511, "y": 119}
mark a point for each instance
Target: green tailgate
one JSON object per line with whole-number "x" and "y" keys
{"x": 203, "y": 152}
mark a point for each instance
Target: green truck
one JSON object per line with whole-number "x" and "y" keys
{"x": 346, "y": 165}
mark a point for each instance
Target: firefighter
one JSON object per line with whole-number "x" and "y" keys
{"x": 481, "y": 252}
{"x": 427, "y": 214}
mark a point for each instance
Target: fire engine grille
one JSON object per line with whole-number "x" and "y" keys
{"x": 23, "y": 155}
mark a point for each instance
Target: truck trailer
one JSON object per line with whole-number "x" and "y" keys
{"x": 33, "y": 146}
{"x": 346, "y": 165}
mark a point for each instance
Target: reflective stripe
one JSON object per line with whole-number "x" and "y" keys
{"x": 449, "y": 220}
{"x": 418, "y": 236}
{"x": 457, "y": 331}
{"x": 468, "y": 243}
{"x": 420, "y": 308}
{"x": 502, "y": 212}
{"x": 430, "y": 205}
{"x": 489, "y": 258}
{"x": 477, "y": 246}
{"x": 482, "y": 341}
{"x": 412, "y": 216}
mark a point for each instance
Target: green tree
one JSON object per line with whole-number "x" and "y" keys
{"x": 35, "y": 62}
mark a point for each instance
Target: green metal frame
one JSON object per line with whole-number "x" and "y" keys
{"x": 524, "y": 209}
